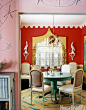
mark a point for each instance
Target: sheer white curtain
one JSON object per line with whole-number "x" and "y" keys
{"x": 48, "y": 54}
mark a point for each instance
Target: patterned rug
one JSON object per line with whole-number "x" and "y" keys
{"x": 48, "y": 104}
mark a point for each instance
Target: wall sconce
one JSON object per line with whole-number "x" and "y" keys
{"x": 26, "y": 53}
{"x": 72, "y": 54}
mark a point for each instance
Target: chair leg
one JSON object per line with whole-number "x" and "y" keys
{"x": 29, "y": 82}
{"x": 51, "y": 95}
{"x": 73, "y": 98}
{"x": 60, "y": 95}
{"x": 31, "y": 97}
{"x": 43, "y": 99}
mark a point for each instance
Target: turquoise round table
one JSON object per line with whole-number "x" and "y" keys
{"x": 54, "y": 78}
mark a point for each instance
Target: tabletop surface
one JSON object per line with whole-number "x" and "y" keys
{"x": 56, "y": 75}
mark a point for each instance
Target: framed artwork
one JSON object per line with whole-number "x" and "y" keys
{"x": 84, "y": 52}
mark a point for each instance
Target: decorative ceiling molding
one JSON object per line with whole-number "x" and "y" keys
{"x": 59, "y": 3}
{"x": 61, "y": 26}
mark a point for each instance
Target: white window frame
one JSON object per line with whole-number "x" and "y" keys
{"x": 51, "y": 50}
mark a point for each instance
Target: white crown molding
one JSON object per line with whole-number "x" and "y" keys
{"x": 61, "y": 26}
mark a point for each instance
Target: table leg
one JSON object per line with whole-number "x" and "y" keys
{"x": 54, "y": 86}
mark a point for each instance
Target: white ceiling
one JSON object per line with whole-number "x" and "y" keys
{"x": 47, "y": 20}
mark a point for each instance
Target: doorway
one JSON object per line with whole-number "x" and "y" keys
{"x": 47, "y": 20}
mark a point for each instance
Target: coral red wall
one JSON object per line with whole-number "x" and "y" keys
{"x": 74, "y": 35}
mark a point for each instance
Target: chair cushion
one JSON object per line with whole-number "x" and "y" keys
{"x": 69, "y": 89}
{"x": 60, "y": 83}
{"x": 25, "y": 76}
{"x": 47, "y": 82}
{"x": 66, "y": 88}
{"x": 39, "y": 89}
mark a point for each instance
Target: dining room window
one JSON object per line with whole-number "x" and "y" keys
{"x": 48, "y": 54}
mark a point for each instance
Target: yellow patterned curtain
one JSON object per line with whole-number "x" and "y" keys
{"x": 34, "y": 55}
{"x": 64, "y": 56}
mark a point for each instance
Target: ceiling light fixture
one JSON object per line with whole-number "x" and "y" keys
{"x": 53, "y": 39}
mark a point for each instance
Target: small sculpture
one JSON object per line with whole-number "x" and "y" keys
{"x": 26, "y": 47}
{"x": 26, "y": 53}
{"x": 73, "y": 49}
{"x": 72, "y": 54}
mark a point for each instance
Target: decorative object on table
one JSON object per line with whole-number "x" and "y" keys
{"x": 72, "y": 54}
{"x": 2, "y": 65}
{"x": 53, "y": 71}
{"x": 26, "y": 53}
{"x": 61, "y": 73}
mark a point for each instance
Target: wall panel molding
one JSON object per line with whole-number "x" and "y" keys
{"x": 61, "y": 26}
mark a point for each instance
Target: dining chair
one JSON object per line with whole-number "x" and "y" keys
{"x": 37, "y": 84}
{"x": 76, "y": 87}
{"x": 74, "y": 67}
{"x": 65, "y": 68}
{"x": 25, "y": 70}
{"x": 36, "y": 67}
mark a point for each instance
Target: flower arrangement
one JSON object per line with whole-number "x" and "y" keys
{"x": 53, "y": 69}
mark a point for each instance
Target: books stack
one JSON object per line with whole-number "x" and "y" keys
{"x": 3, "y": 87}
{"x": 4, "y": 105}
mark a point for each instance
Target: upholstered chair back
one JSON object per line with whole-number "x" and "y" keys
{"x": 25, "y": 68}
{"x": 34, "y": 67}
{"x": 66, "y": 68}
{"x": 74, "y": 67}
{"x": 78, "y": 78}
{"x": 36, "y": 78}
